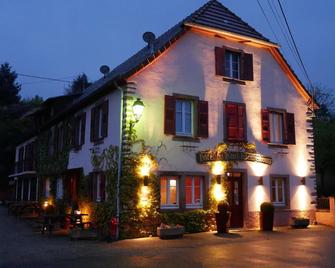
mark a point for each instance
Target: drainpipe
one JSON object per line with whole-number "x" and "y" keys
{"x": 119, "y": 164}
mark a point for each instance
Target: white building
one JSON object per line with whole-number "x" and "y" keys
{"x": 210, "y": 79}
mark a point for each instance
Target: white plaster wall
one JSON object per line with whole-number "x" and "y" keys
{"x": 188, "y": 67}
{"x": 82, "y": 158}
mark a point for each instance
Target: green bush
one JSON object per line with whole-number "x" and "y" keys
{"x": 102, "y": 214}
{"x": 267, "y": 207}
{"x": 194, "y": 221}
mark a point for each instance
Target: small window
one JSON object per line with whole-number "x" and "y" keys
{"x": 99, "y": 121}
{"x": 279, "y": 191}
{"x": 184, "y": 117}
{"x": 79, "y": 132}
{"x": 47, "y": 188}
{"x": 232, "y": 64}
{"x": 193, "y": 192}
{"x": 169, "y": 190}
{"x": 276, "y": 127}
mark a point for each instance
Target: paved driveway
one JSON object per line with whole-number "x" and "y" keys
{"x": 22, "y": 247}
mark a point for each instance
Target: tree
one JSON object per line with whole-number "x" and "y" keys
{"x": 324, "y": 136}
{"x": 9, "y": 88}
{"x": 78, "y": 84}
{"x": 326, "y": 101}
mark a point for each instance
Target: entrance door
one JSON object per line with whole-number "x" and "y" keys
{"x": 235, "y": 199}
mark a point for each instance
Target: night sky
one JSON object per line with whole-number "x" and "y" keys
{"x": 63, "y": 38}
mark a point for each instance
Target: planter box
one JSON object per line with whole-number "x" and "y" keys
{"x": 266, "y": 220}
{"x": 300, "y": 222}
{"x": 170, "y": 233}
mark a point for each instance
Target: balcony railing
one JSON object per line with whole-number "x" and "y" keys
{"x": 25, "y": 165}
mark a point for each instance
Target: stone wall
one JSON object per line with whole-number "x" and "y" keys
{"x": 281, "y": 218}
{"x": 327, "y": 217}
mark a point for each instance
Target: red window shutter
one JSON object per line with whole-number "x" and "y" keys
{"x": 219, "y": 61}
{"x": 265, "y": 125}
{"x": 247, "y": 67}
{"x": 241, "y": 131}
{"x": 104, "y": 123}
{"x": 203, "y": 119}
{"x": 289, "y": 135}
{"x": 170, "y": 115}
{"x": 83, "y": 126}
{"x": 93, "y": 124}
{"x": 102, "y": 186}
{"x": 231, "y": 113}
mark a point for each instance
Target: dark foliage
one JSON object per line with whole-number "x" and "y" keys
{"x": 78, "y": 84}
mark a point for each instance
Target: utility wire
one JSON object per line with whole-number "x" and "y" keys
{"x": 44, "y": 78}
{"x": 268, "y": 21}
{"x": 294, "y": 43}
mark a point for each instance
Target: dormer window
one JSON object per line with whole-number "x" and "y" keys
{"x": 232, "y": 64}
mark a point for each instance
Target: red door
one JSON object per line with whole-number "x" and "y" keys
{"x": 235, "y": 199}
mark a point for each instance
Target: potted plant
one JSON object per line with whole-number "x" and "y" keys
{"x": 222, "y": 217}
{"x": 266, "y": 216}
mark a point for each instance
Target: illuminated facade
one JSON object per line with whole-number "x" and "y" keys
{"x": 204, "y": 83}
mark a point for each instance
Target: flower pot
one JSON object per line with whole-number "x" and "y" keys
{"x": 266, "y": 220}
{"x": 300, "y": 222}
{"x": 221, "y": 222}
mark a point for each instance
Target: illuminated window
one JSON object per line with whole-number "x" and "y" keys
{"x": 184, "y": 117}
{"x": 279, "y": 191}
{"x": 169, "y": 190}
{"x": 193, "y": 192}
{"x": 232, "y": 64}
{"x": 276, "y": 127}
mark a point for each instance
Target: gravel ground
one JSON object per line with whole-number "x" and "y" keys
{"x": 21, "y": 246}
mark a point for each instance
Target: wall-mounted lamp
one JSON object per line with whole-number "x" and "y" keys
{"x": 218, "y": 179}
{"x": 303, "y": 181}
{"x": 146, "y": 180}
{"x": 138, "y": 108}
{"x": 260, "y": 180}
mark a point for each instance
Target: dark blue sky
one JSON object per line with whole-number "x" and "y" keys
{"x": 63, "y": 38}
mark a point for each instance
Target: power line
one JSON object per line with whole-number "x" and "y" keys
{"x": 44, "y": 78}
{"x": 268, "y": 21}
{"x": 294, "y": 43}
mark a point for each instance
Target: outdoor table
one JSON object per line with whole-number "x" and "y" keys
{"x": 49, "y": 221}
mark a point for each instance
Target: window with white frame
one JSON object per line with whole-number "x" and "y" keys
{"x": 279, "y": 191}
{"x": 184, "y": 117}
{"x": 232, "y": 64}
{"x": 276, "y": 127}
{"x": 193, "y": 191}
{"x": 59, "y": 188}
{"x": 169, "y": 190}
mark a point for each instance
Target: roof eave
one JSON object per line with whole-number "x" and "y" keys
{"x": 230, "y": 35}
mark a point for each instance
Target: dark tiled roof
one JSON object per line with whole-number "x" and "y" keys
{"x": 212, "y": 14}
{"x": 216, "y": 15}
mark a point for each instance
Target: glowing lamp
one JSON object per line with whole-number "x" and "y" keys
{"x": 218, "y": 193}
{"x": 217, "y": 168}
{"x": 77, "y": 212}
{"x": 45, "y": 204}
{"x": 173, "y": 183}
{"x": 138, "y": 108}
{"x": 145, "y": 166}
